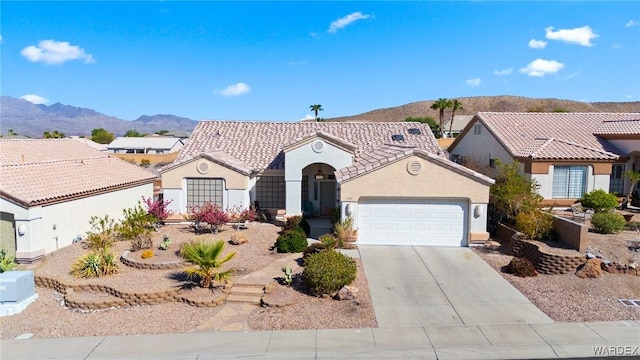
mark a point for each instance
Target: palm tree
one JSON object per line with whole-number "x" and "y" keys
{"x": 634, "y": 177}
{"x": 315, "y": 108}
{"x": 441, "y": 104}
{"x": 205, "y": 256}
{"x": 455, "y": 105}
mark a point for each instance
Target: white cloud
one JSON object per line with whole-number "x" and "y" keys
{"x": 35, "y": 99}
{"x": 503, "y": 72}
{"x": 0, "y": 39}
{"x": 474, "y": 82}
{"x": 580, "y": 36}
{"x": 55, "y": 52}
{"x": 575, "y": 74}
{"x": 616, "y": 46}
{"x": 236, "y": 89}
{"x": 537, "y": 44}
{"x": 541, "y": 67}
{"x": 346, "y": 20}
{"x": 297, "y": 63}
{"x": 308, "y": 117}
{"x": 632, "y": 23}
{"x": 629, "y": 96}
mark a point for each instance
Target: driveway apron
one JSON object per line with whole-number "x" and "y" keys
{"x": 426, "y": 286}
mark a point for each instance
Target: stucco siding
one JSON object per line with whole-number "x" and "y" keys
{"x": 173, "y": 179}
{"x": 300, "y": 157}
{"x": 71, "y": 219}
{"x": 434, "y": 181}
{"x": 479, "y": 149}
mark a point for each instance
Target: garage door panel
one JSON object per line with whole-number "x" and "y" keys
{"x": 412, "y": 222}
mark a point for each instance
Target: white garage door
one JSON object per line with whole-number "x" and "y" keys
{"x": 412, "y": 222}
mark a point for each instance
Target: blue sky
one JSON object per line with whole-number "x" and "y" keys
{"x": 271, "y": 60}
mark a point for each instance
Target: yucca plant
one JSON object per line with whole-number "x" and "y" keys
{"x": 207, "y": 260}
{"x": 345, "y": 234}
{"x": 96, "y": 263}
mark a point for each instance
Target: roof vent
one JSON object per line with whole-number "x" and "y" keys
{"x": 397, "y": 137}
{"x": 414, "y": 131}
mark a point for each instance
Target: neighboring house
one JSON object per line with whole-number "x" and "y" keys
{"x": 50, "y": 188}
{"x": 390, "y": 177}
{"x": 459, "y": 123}
{"x": 145, "y": 145}
{"x": 567, "y": 154}
{"x": 91, "y": 143}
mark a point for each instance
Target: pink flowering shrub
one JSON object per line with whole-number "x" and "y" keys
{"x": 237, "y": 214}
{"x": 207, "y": 216}
{"x": 158, "y": 208}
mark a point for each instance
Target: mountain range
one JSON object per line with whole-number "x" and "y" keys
{"x": 26, "y": 118}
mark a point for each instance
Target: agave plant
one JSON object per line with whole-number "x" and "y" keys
{"x": 6, "y": 262}
{"x": 207, "y": 259}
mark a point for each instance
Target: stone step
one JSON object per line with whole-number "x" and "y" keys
{"x": 244, "y": 299}
{"x": 253, "y": 282}
{"x": 250, "y": 291}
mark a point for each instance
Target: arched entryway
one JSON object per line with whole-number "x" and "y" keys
{"x": 319, "y": 192}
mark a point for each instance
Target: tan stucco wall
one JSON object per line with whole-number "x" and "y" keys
{"x": 172, "y": 179}
{"x": 540, "y": 167}
{"x": 434, "y": 181}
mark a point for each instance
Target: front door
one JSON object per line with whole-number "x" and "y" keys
{"x": 327, "y": 196}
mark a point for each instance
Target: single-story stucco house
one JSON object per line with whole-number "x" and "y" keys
{"x": 50, "y": 188}
{"x": 145, "y": 145}
{"x": 567, "y": 154}
{"x": 391, "y": 178}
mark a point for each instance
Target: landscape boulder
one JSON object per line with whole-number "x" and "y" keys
{"x": 591, "y": 269}
{"x": 238, "y": 239}
{"x": 346, "y": 293}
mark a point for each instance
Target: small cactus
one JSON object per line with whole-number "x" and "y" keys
{"x": 288, "y": 274}
{"x": 165, "y": 243}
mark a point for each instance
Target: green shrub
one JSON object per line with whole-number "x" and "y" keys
{"x": 314, "y": 248}
{"x": 137, "y": 226}
{"x": 345, "y": 234}
{"x": 521, "y": 267}
{"x": 297, "y": 222}
{"x": 535, "y": 224}
{"x": 599, "y": 200}
{"x": 328, "y": 271}
{"x": 608, "y": 222}
{"x": 292, "y": 241}
{"x": 102, "y": 233}
{"x": 96, "y": 263}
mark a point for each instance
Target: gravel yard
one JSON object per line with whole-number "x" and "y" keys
{"x": 46, "y": 317}
{"x": 568, "y": 298}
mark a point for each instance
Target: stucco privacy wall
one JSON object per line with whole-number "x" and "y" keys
{"x": 434, "y": 181}
{"x": 302, "y": 155}
{"x": 71, "y": 219}
{"x": 174, "y": 184}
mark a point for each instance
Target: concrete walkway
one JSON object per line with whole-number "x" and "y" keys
{"x": 514, "y": 341}
{"x": 427, "y": 286}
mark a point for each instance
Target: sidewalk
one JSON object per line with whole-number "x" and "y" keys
{"x": 514, "y": 341}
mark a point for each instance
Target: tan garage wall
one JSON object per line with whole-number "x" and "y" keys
{"x": 434, "y": 181}
{"x": 172, "y": 179}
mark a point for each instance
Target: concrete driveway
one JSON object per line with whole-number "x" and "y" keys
{"x": 423, "y": 286}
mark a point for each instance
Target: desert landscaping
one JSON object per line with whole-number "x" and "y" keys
{"x": 565, "y": 298}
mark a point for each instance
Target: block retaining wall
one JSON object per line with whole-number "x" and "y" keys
{"x": 167, "y": 265}
{"x": 73, "y": 299}
{"x": 544, "y": 261}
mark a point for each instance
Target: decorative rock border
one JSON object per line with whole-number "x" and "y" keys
{"x": 544, "y": 261}
{"x": 122, "y": 298}
{"x": 167, "y": 265}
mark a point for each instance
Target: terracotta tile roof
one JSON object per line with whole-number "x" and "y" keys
{"x": 259, "y": 144}
{"x": 549, "y": 148}
{"x": 387, "y": 154}
{"x": 37, "y": 172}
{"x": 619, "y": 127}
{"x": 573, "y": 134}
